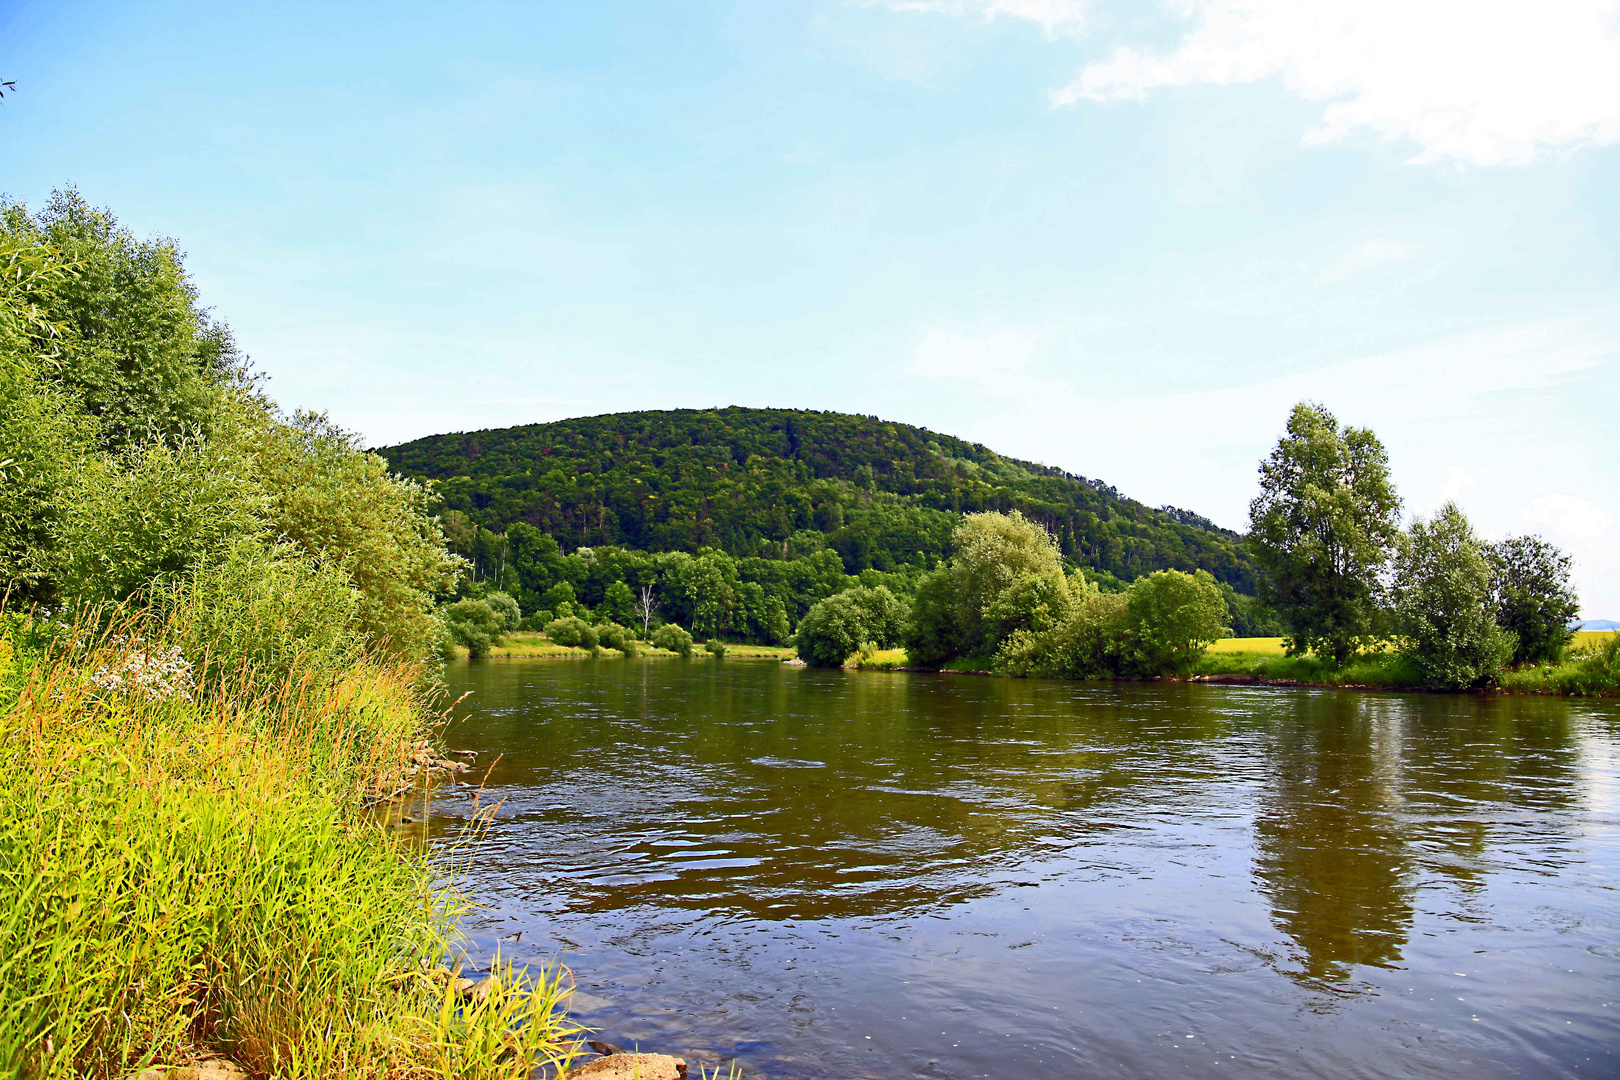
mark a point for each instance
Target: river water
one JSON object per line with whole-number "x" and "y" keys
{"x": 842, "y": 874}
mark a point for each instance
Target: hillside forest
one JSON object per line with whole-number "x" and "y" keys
{"x": 739, "y": 520}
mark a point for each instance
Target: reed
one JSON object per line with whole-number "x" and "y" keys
{"x": 188, "y": 870}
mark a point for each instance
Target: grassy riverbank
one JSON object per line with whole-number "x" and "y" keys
{"x": 525, "y": 644}
{"x": 188, "y": 873}
{"x": 1589, "y": 668}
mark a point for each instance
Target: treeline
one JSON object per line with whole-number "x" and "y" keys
{"x": 1343, "y": 576}
{"x": 782, "y": 483}
{"x": 1003, "y": 602}
{"x": 216, "y": 623}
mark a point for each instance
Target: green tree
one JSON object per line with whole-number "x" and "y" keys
{"x": 336, "y": 501}
{"x": 1533, "y": 598}
{"x": 506, "y": 607}
{"x": 573, "y": 632}
{"x": 1170, "y": 619}
{"x": 619, "y": 603}
{"x": 474, "y": 625}
{"x": 1443, "y": 604}
{"x": 135, "y": 346}
{"x": 1321, "y": 531}
{"x": 842, "y": 624}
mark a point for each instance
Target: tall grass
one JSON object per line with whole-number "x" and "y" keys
{"x": 186, "y": 870}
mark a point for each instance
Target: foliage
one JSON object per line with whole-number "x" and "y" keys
{"x": 44, "y": 442}
{"x": 506, "y": 607}
{"x": 672, "y": 638}
{"x": 130, "y": 340}
{"x": 573, "y": 632}
{"x": 1321, "y": 530}
{"x": 474, "y": 625}
{"x": 148, "y": 514}
{"x": 613, "y": 636}
{"x": 783, "y": 483}
{"x": 1170, "y": 618}
{"x": 337, "y": 502}
{"x": 1532, "y": 596}
{"x": 191, "y": 873}
{"x": 715, "y": 648}
{"x": 837, "y": 627}
{"x": 1006, "y": 575}
{"x": 254, "y": 612}
{"x": 1443, "y": 606}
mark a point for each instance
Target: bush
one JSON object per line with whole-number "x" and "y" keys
{"x": 1170, "y": 618}
{"x": 673, "y": 639}
{"x": 506, "y": 608}
{"x": 1443, "y": 605}
{"x": 475, "y": 625}
{"x": 573, "y": 632}
{"x": 715, "y": 648}
{"x": 537, "y": 620}
{"x": 1159, "y": 626}
{"x": 257, "y": 611}
{"x": 613, "y": 636}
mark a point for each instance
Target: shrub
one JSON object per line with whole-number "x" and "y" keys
{"x": 537, "y": 620}
{"x": 257, "y": 611}
{"x": 1443, "y": 604}
{"x": 673, "y": 639}
{"x": 715, "y": 648}
{"x": 1170, "y": 618}
{"x": 506, "y": 607}
{"x": 573, "y": 632}
{"x": 613, "y": 636}
{"x": 474, "y": 625}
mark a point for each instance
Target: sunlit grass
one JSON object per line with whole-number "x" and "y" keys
{"x": 186, "y": 873}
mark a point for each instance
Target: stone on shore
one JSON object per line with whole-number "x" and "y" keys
{"x": 631, "y": 1067}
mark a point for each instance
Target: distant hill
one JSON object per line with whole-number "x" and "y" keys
{"x": 1598, "y": 624}
{"x": 761, "y": 481}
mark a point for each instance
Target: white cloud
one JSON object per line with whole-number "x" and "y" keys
{"x": 1055, "y": 17}
{"x": 1487, "y": 83}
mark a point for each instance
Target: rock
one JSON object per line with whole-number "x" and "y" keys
{"x": 465, "y": 753}
{"x": 477, "y": 991}
{"x": 212, "y": 1069}
{"x": 606, "y": 1049}
{"x": 631, "y": 1067}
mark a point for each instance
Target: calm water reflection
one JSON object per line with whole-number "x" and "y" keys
{"x": 846, "y": 875}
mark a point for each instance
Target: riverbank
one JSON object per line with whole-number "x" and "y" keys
{"x": 193, "y": 878}
{"x": 526, "y": 644}
{"x": 1590, "y": 668}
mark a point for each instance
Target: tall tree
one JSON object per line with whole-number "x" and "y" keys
{"x": 1443, "y": 604}
{"x": 1533, "y": 597}
{"x": 1322, "y": 530}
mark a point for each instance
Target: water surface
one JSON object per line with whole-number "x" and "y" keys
{"x": 841, "y": 874}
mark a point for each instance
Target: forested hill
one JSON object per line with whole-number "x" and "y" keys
{"x": 771, "y": 482}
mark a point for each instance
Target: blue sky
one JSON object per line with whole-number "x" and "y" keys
{"x": 1117, "y": 237}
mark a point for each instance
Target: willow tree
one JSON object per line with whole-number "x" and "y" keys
{"x": 1322, "y": 531}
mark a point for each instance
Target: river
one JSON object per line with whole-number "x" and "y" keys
{"x": 843, "y": 874}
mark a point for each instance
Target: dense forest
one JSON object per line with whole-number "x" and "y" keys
{"x": 786, "y": 483}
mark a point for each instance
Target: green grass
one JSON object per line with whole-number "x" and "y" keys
{"x": 529, "y": 644}
{"x": 1367, "y": 669}
{"x": 881, "y": 660}
{"x": 185, "y": 874}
